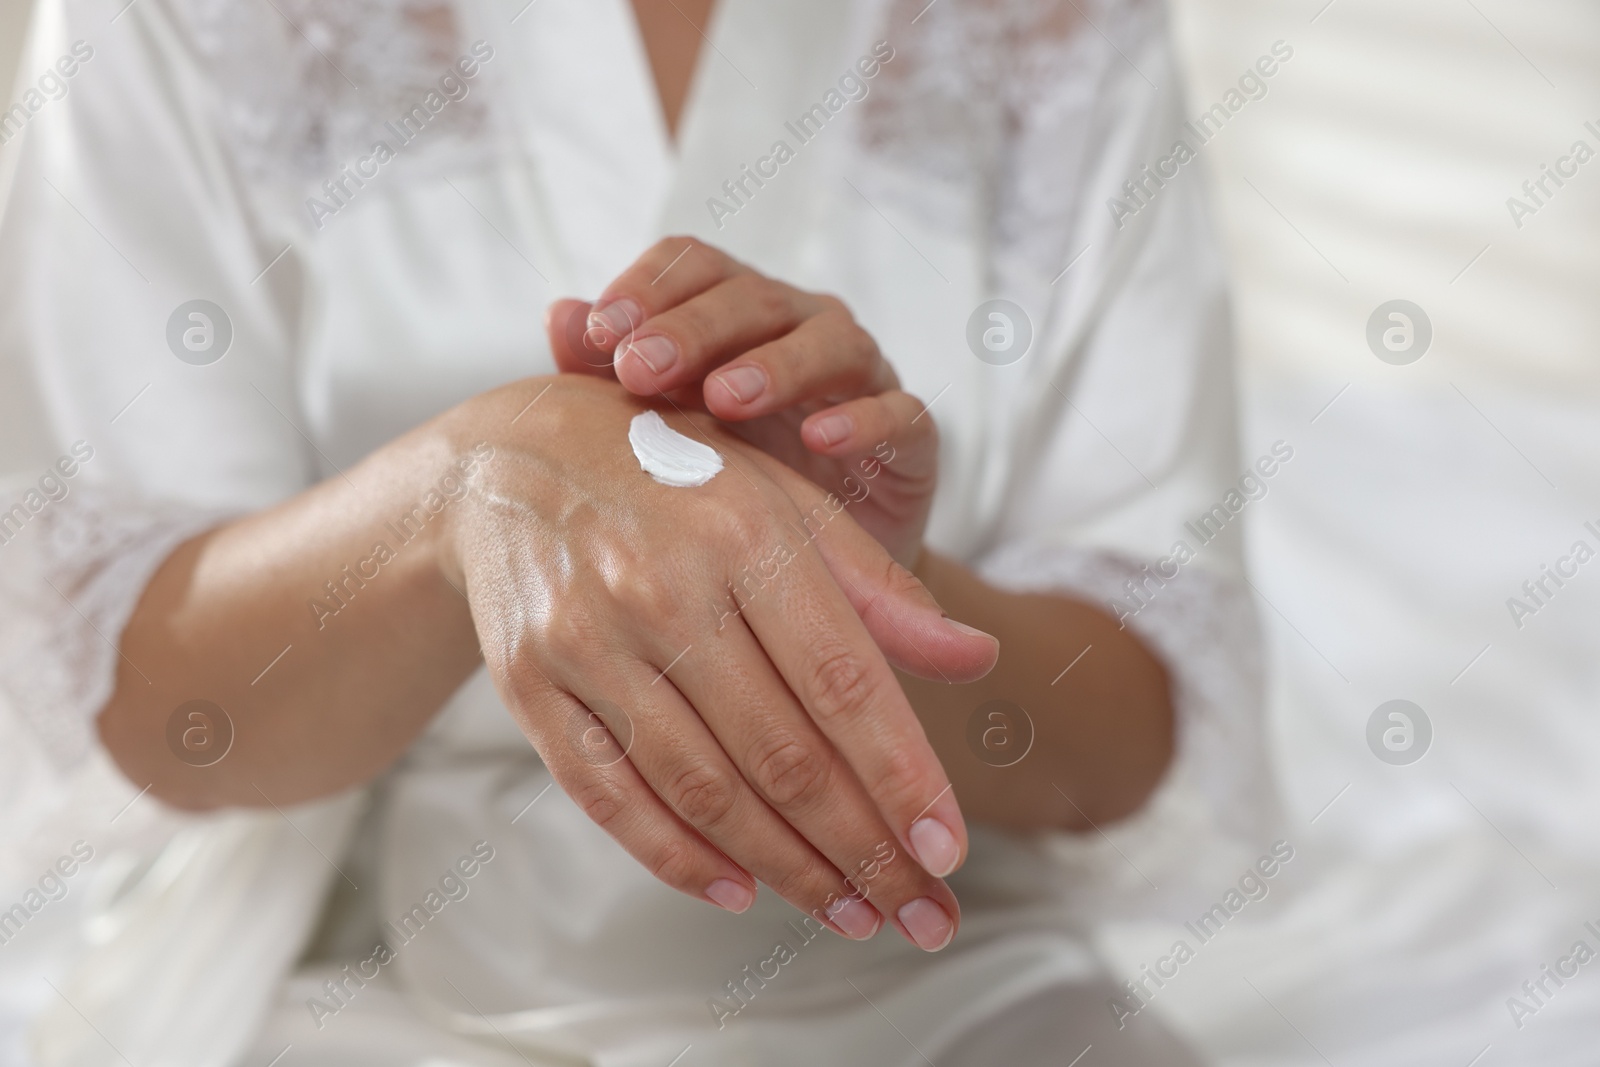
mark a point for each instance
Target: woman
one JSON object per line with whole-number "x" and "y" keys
{"x": 318, "y": 497}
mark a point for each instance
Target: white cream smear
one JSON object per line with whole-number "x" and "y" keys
{"x": 668, "y": 456}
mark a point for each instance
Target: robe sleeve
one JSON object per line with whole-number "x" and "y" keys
{"x": 121, "y": 208}
{"x": 1132, "y": 495}
{"x": 122, "y": 211}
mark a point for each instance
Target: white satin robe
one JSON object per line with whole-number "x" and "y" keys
{"x": 179, "y": 165}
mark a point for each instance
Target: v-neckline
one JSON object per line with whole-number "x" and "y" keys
{"x": 762, "y": 63}
{"x": 669, "y": 131}
{"x": 671, "y": 140}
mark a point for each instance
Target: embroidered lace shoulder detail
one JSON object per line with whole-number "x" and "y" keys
{"x": 305, "y": 86}
{"x": 999, "y": 97}
{"x": 71, "y": 579}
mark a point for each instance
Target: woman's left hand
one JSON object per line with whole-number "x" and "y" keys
{"x": 791, "y": 371}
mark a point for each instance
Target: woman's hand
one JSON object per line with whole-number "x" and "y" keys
{"x": 727, "y": 637}
{"x": 776, "y": 362}
{"x": 791, "y": 369}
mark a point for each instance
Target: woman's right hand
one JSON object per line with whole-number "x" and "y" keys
{"x": 791, "y": 371}
{"x": 753, "y": 729}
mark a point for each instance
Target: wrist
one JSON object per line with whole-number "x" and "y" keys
{"x": 481, "y": 438}
{"x": 457, "y": 456}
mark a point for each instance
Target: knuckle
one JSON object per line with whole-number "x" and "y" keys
{"x": 522, "y": 681}
{"x": 575, "y": 633}
{"x": 790, "y": 773}
{"x": 648, "y": 595}
{"x": 702, "y": 796}
{"x": 865, "y": 348}
{"x": 841, "y": 686}
{"x": 746, "y": 528}
{"x": 901, "y": 782}
{"x": 769, "y": 299}
{"x": 774, "y": 301}
{"x": 862, "y": 362}
{"x": 674, "y": 245}
{"x": 596, "y": 800}
{"x": 692, "y": 325}
{"x": 873, "y": 372}
{"x": 834, "y": 306}
{"x": 673, "y": 864}
{"x": 803, "y": 883}
{"x": 861, "y": 342}
{"x": 857, "y": 375}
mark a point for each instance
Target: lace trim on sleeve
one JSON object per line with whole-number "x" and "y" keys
{"x": 73, "y": 576}
{"x": 1218, "y": 801}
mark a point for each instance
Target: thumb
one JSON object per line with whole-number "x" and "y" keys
{"x": 906, "y": 621}
{"x": 903, "y": 618}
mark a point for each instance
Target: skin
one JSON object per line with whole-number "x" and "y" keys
{"x": 1103, "y": 730}
{"x": 671, "y": 30}
{"x": 765, "y": 737}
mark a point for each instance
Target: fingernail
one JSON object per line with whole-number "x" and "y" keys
{"x": 935, "y": 847}
{"x": 726, "y": 893}
{"x": 658, "y": 352}
{"x": 927, "y": 924}
{"x": 970, "y": 631}
{"x": 835, "y": 428}
{"x": 618, "y": 318}
{"x": 856, "y": 918}
{"x": 745, "y": 383}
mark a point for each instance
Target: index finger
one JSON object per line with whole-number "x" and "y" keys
{"x": 671, "y": 271}
{"x": 572, "y": 346}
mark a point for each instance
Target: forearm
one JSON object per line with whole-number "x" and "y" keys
{"x": 1103, "y": 730}
{"x": 343, "y": 580}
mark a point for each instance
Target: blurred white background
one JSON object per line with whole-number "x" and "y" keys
{"x": 1419, "y": 499}
{"x": 13, "y": 24}
{"x": 1378, "y": 168}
